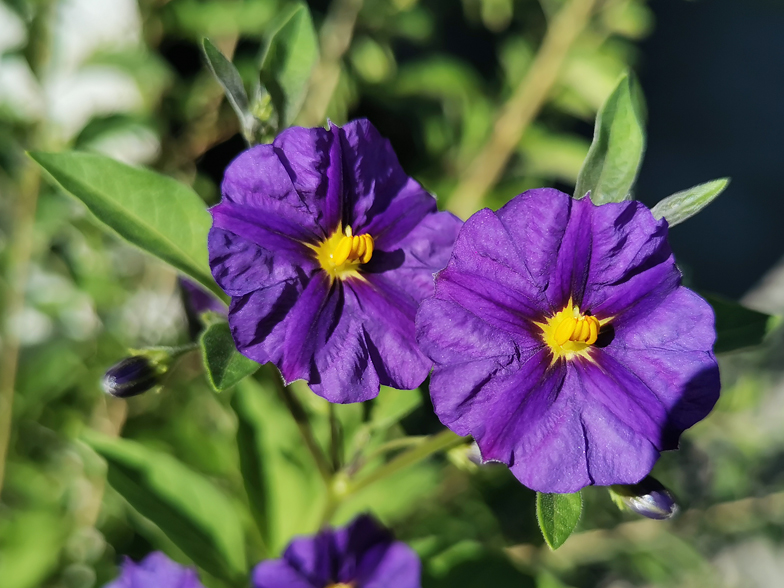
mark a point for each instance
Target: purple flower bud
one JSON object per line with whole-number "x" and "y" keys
{"x": 130, "y": 377}
{"x": 649, "y": 498}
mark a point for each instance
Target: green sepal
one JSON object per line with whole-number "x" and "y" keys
{"x": 680, "y": 206}
{"x": 558, "y": 515}
{"x": 288, "y": 61}
{"x": 225, "y": 366}
{"x": 616, "y": 153}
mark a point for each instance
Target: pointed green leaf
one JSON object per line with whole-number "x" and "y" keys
{"x": 683, "y": 205}
{"x": 225, "y": 365}
{"x": 289, "y": 59}
{"x": 615, "y": 156}
{"x": 152, "y": 211}
{"x": 558, "y": 515}
{"x": 737, "y": 326}
{"x": 195, "y": 515}
{"x": 282, "y": 484}
{"x": 229, "y": 78}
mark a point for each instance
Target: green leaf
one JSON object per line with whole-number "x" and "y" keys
{"x": 195, "y": 515}
{"x": 683, "y": 205}
{"x": 616, "y": 152}
{"x": 224, "y": 364}
{"x": 282, "y": 483}
{"x": 289, "y": 59}
{"x": 154, "y": 212}
{"x": 229, "y": 78}
{"x": 558, "y": 515}
{"x": 736, "y": 325}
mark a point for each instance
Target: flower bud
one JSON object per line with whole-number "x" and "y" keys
{"x": 649, "y": 498}
{"x": 130, "y": 377}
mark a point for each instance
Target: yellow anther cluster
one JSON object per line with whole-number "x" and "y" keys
{"x": 352, "y": 248}
{"x": 585, "y": 329}
{"x": 570, "y": 333}
{"x": 341, "y": 585}
{"x": 341, "y": 254}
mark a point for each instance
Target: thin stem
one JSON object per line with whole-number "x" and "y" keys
{"x": 336, "y": 439}
{"x": 521, "y": 109}
{"x": 335, "y": 39}
{"x": 395, "y": 444}
{"x": 303, "y": 424}
{"x": 433, "y": 444}
{"x": 20, "y": 250}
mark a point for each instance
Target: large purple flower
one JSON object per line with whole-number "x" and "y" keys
{"x": 156, "y": 570}
{"x": 326, "y": 248}
{"x": 362, "y": 555}
{"x": 564, "y": 342}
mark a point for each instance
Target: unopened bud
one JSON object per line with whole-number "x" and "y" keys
{"x": 130, "y": 377}
{"x": 649, "y": 498}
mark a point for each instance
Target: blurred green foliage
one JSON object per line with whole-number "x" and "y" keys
{"x": 126, "y": 80}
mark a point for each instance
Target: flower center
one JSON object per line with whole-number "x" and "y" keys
{"x": 570, "y": 333}
{"x": 341, "y": 254}
{"x": 341, "y": 585}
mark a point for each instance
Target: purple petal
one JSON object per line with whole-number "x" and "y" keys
{"x": 389, "y": 329}
{"x": 669, "y": 351}
{"x": 399, "y": 568}
{"x": 155, "y": 570}
{"x": 412, "y": 261}
{"x": 292, "y": 181}
{"x": 279, "y": 574}
{"x": 314, "y": 163}
{"x": 241, "y": 267}
{"x": 384, "y": 201}
{"x": 325, "y": 344}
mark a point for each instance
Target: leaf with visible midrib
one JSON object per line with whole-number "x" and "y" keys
{"x": 195, "y": 515}
{"x": 289, "y": 59}
{"x": 615, "y": 155}
{"x": 558, "y": 515}
{"x": 224, "y": 364}
{"x": 154, "y": 212}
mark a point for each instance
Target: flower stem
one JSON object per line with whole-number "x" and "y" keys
{"x": 521, "y": 109}
{"x": 19, "y": 252}
{"x": 433, "y": 444}
{"x": 303, "y": 424}
{"x": 334, "y": 40}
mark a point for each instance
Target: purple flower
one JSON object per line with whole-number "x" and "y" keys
{"x": 362, "y": 555}
{"x": 564, "y": 342}
{"x": 156, "y": 570}
{"x": 326, "y": 248}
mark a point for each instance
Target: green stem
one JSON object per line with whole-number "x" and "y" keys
{"x": 521, "y": 109}
{"x": 20, "y": 250}
{"x": 303, "y": 424}
{"x": 431, "y": 445}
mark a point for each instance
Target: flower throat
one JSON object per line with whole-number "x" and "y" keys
{"x": 570, "y": 333}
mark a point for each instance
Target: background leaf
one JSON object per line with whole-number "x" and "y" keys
{"x": 736, "y": 325}
{"x": 229, "y": 78}
{"x": 289, "y": 59}
{"x": 195, "y": 515}
{"x": 616, "y": 152}
{"x": 680, "y": 206}
{"x": 558, "y": 515}
{"x": 282, "y": 484}
{"x": 225, "y": 365}
{"x": 156, "y": 213}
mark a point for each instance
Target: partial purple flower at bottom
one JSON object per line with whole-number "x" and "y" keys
{"x": 361, "y": 555}
{"x": 155, "y": 571}
{"x": 564, "y": 342}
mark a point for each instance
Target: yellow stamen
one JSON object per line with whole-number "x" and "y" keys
{"x": 569, "y": 333}
{"x": 341, "y": 254}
